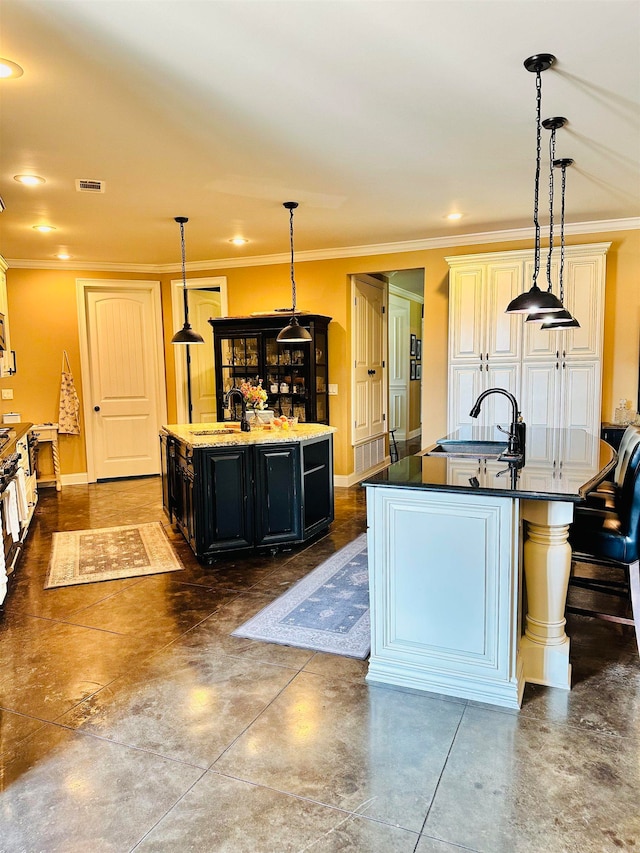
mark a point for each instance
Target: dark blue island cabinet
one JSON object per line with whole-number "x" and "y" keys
{"x": 249, "y": 491}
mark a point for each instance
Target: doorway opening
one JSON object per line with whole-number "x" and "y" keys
{"x": 405, "y": 331}
{"x": 194, "y": 367}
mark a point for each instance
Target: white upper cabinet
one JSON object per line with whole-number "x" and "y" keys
{"x": 479, "y": 330}
{"x": 554, "y": 375}
{"x": 5, "y": 350}
{"x": 584, "y": 275}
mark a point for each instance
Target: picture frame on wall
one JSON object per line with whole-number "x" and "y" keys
{"x": 419, "y": 348}
{"x": 412, "y": 369}
{"x": 3, "y": 342}
{"x": 412, "y": 345}
{"x": 418, "y": 371}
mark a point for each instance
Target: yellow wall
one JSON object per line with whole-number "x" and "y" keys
{"x": 43, "y": 322}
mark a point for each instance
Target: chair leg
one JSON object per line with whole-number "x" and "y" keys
{"x": 634, "y": 583}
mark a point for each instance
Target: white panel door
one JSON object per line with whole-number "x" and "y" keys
{"x": 203, "y": 304}
{"x": 122, "y": 326}
{"x": 369, "y": 347}
{"x": 399, "y": 326}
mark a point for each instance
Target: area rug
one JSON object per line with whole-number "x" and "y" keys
{"x": 327, "y": 611}
{"x": 108, "y": 553}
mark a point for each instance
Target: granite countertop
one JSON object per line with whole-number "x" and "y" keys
{"x": 208, "y": 435}
{"x": 9, "y": 434}
{"x": 554, "y": 476}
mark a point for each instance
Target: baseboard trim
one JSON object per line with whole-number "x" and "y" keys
{"x": 345, "y": 481}
{"x": 74, "y": 479}
{"x": 415, "y": 433}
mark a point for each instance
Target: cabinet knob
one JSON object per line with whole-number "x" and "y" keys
{"x": 96, "y": 408}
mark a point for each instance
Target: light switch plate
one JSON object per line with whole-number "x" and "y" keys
{"x": 7, "y": 393}
{"x": 333, "y": 389}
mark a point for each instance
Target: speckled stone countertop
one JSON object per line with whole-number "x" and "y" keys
{"x": 217, "y": 435}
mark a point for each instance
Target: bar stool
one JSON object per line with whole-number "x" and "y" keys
{"x": 393, "y": 446}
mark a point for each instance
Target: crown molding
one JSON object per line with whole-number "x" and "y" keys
{"x": 405, "y": 294}
{"x": 457, "y": 240}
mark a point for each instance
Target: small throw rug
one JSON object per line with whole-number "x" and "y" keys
{"x": 108, "y": 553}
{"x": 327, "y": 611}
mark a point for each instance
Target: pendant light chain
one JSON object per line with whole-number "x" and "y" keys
{"x": 536, "y": 190}
{"x": 184, "y": 257}
{"x": 552, "y": 157}
{"x": 562, "y": 191}
{"x": 293, "y": 281}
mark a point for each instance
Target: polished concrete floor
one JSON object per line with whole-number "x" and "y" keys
{"x": 130, "y": 719}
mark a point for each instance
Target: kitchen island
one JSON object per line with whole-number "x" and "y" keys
{"x": 229, "y": 490}
{"x": 450, "y": 539}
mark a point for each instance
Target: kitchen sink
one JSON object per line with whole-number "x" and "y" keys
{"x": 217, "y": 431}
{"x": 467, "y": 448}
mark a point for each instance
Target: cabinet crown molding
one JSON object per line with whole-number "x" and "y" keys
{"x": 526, "y": 254}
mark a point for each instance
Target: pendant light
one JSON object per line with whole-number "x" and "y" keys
{"x": 535, "y": 299}
{"x": 293, "y": 333}
{"x": 186, "y": 335}
{"x": 562, "y": 315}
{"x": 563, "y": 319}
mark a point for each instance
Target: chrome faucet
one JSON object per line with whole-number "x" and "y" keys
{"x": 516, "y": 432}
{"x": 233, "y": 392}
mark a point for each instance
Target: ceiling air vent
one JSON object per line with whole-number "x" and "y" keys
{"x": 84, "y": 186}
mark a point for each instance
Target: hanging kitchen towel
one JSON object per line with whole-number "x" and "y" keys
{"x": 11, "y": 520}
{"x": 68, "y": 420}
{"x": 21, "y": 489}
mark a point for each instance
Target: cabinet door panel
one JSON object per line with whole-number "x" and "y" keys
{"x": 503, "y": 331}
{"x": 537, "y": 342}
{"x": 466, "y": 314}
{"x": 465, "y": 383}
{"x": 496, "y": 409}
{"x": 277, "y": 494}
{"x": 226, "y": 517}
{"x": 580, "y": 410}
{"x": 584, "y": 299}
{"x": 540, "y": 388}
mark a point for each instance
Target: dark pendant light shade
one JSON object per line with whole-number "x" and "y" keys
{"x": 536, "y": 300}
{"x": 186, "y": 335}
{"x": 293, "y": 333}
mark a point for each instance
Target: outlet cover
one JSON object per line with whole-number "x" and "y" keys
{"x": 333, "y": 389}
{"x": 7, "y": 393}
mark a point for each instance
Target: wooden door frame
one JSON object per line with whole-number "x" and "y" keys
{"x": 381, "y": 285}
{"x": 153, "y": 288}
{"x": 177, "y": 312}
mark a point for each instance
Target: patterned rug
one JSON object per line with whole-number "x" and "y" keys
{"x": 327, "y": 611}
{"x": 108, "y": 553}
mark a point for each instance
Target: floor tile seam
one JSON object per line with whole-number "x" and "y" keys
{"x": 442, "y": 771}
{"x": 347, "y": 812}
{"x": 113, "y": 741}
{"x": 60, "y": 621}
{"x": 134, "y": 582}
{"x": 168, "y": 811}
{"x": 255, "y": 719}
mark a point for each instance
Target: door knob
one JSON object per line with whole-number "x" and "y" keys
{"x": 96, "y": 408}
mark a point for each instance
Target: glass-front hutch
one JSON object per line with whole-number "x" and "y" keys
{"x": 295, "y": 376}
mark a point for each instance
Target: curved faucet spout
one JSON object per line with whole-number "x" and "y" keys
{"x": 514, "y": 442}
{"x": 236, "y": 392}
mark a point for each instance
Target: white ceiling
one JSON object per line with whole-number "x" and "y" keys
{"x": 378, "y": 117}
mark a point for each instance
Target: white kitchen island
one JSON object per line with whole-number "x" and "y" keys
{"x": 469, "y": 570}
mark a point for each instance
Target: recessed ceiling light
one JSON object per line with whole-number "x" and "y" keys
{"x": 238, "y": 241}
{"x": 43, "y": 228}
{"x": 63, "y": 256}
{"x": 9, "y": 69}
{"x": 452, "y": 217}
{"x": 29, "y": 180}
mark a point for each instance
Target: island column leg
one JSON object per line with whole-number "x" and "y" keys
{"x": 544, "y": 648}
